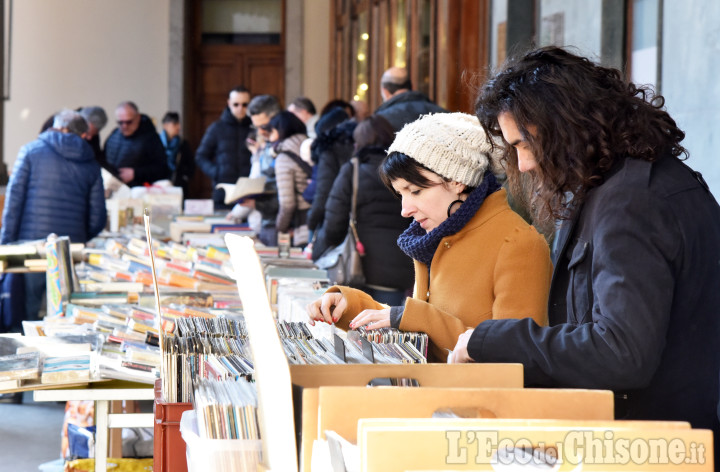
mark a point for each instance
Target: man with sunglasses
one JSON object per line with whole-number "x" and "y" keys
{"x": 223, "y": 154}
{"x": 134, "y": 148}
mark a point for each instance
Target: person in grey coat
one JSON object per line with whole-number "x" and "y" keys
{"x": 634, "y": 303}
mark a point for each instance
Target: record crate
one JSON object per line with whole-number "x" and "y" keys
{"x": 168, "y": 445}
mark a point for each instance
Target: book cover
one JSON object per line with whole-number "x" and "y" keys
{"x": 244, "y": 187}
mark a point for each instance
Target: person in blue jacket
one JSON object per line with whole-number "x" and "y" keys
{"x": 55, "y": 187}
{"x": 634, "y": 303}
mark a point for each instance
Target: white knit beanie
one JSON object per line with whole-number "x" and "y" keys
{"x": 452, "y": 145}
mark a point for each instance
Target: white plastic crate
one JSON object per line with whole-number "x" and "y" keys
{"x": 218, "y": 455}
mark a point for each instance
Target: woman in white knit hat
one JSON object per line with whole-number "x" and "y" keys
{"x": 475, "y": 259}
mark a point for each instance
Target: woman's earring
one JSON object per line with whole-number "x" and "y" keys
{"x": 453, "y": 203}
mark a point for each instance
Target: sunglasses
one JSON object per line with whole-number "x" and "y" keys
{"x": 244, "y": 105}
{"x": 266, "y": 127}
{"x": 124, "y": 122}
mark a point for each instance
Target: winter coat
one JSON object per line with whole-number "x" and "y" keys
{"x": 55, "y": 187}
{"x": 142, "y": 151}
{"x": 291, "y": 182}
{"x": 407, "y": 107}
{"x": 223, "y": 154}
{"x": 496, "y": 267}
{"x": 379, "y": 222}
{"x": 333, "y": 149}
{"x": 183, "y": 161}
{"x": 635, "y": 301}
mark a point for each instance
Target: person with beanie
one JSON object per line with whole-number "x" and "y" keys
{"x": 475, "y": 259}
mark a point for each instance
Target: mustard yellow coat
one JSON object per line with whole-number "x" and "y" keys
{"x": 496, "y": 267}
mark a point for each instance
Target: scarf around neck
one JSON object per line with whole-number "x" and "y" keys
{"x": 421, "y": 245}
{"x": 171, "y": 148}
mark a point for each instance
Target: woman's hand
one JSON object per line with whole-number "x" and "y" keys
{"x": 460, "y": 354}
{"x": 328, "y": 308}
{"x": 372, "y": 319}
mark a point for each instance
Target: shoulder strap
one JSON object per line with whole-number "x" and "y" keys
{"x": 355, "y": 185}
{"x": 298, "y": 160}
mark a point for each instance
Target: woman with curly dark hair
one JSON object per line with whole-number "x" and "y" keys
{"x": 635, "y": 299}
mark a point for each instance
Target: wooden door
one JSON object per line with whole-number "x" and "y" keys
{"x": 215, "y": 69}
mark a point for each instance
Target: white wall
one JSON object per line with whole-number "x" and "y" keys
{"x": 690, "y": 71}
{"x": 72, "y": 53}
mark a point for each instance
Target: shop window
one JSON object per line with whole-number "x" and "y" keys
{"x": 241, "y": 21}
{"x": 361, "y": 57}
{"x": 424, "y": 47}
{"x": 645, "y": 42}
{"x": 574, "y": 24}
{"x": 400, "y": 34}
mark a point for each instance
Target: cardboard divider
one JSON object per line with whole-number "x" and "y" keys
{"x": 310, "y": 377}
{"x": 310, "y": 399}
{"x": 340, "y": 408}
{"x": 491, "y": 444}
{"x": 428, "y": 375}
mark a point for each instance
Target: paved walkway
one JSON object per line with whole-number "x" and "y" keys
{"x": 29, "y": 434}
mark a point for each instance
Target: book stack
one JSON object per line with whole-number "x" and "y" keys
{"x": 200, "y": 231}
{"x": 15, "y": 369}
{"x": 28, "y": 256}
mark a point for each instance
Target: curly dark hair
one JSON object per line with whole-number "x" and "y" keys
{"x": 585, "y": 118}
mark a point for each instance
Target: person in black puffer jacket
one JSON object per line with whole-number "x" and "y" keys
{"x": 332, "y": 149}
{"x": 388, "y": 271}
{"x": 401, "y": 105}
{"x": 134, "y": 148}
{"x": 223, "y": 154}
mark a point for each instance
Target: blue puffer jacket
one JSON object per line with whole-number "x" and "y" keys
{"x": 55, "y": 187}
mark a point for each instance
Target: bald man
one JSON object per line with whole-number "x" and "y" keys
{"x": 134, "y": 148}
{"x": 401, "y": 104}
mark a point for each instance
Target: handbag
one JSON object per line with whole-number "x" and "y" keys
{"x": 343, "y": 262}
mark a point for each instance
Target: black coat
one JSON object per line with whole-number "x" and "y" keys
{"x": 142, "y": 151}
{"x": 223, "y": 154}
{"x": 634, "y": 302}
{"x": 333, "y": 148}
{"x": 184, "y": 166}
{"x": 378, "y": 222}
{"x": 407, "y": 107}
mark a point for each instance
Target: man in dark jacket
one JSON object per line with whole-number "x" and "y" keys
{"x": 134, "y": 148}
{"x": 56, "y": 188}
{"x": 179, "y": 154}
{"x": 634, "y": 302}
{"x": 223, "y": 154}
{"x": 401, "y": 105}
{"x": 96, "y": 119}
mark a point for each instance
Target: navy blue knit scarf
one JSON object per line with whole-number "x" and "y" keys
{"x": 171, "y": 148}
{"x": 421, "y": 246}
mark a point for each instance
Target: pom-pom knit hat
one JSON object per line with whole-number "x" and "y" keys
{"x": 452, "y": 145}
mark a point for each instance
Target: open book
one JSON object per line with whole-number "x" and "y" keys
{"x": 244, "y": 187}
